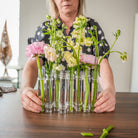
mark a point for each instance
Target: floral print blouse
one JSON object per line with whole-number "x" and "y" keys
{"x": 103, "y": 48}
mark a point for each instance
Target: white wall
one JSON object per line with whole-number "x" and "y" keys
{"x": 134, "y": 84}
{"x": 32, "y": 14}
{"x": 111, "y": 15}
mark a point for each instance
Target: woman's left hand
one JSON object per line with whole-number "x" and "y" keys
{"x": 106, "y": 101}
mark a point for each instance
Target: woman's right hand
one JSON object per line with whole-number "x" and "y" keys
{"x": 30, "y": 100}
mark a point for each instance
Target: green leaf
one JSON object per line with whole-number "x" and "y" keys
{"x": 87, "y": 134}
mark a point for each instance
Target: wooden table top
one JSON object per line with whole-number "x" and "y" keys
{"x": 15, "y": 122}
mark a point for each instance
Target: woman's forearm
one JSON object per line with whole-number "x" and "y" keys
{"x": 106, "y": 78}
{"x": 30, "y": 73}
{"x": 29, "y": 97}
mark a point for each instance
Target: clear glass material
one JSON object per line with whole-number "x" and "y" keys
{"x": 66, "y": 92}
{"x": 48, "y": 85}
{"x": 70, "y": 91}
{"x": 87, "y": 87}
{"x": 94, "y": 93}
{"x": 62, "y": 93}
{"x": 78, "y": 89}
{"x": 56, "y": 83}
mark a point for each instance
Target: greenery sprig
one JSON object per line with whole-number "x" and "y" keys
{"x": 106, "y": 131}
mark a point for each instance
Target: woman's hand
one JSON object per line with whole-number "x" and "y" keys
{"x": 106, "y": 101}
{"x": 30, "y": 100}
{"x": 85, "y": 58}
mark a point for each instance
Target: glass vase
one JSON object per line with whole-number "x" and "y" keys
{"x": 70, "y": 91}
{"x": 78, "y": 88}
{"x": 41, "y": 90}
{"x": 62, "y": 93}
{"x": 87, "y": 86}
{"x": 94, "y": 92}
{"x": 48, "y": 90}
{"x": 48, "y": 84}
{"x": 56, "y": 90}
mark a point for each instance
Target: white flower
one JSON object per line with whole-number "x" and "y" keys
{"x": 75, "y": 34}
{"x": 59, "y": 33}
{"x": 50, "y": 53}
{"x": 70, "y": 41}
{"x": 59, "y": 67}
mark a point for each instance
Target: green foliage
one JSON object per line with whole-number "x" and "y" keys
{"x": 87, "y": 134}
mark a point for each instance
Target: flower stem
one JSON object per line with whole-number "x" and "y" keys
{"x": 105, "y": 132}
{"x": 41, "y": 83}
{"x": 57, "y": 88}
{"x": 87, "y": 89}
{"x": 71, "y": 90}
{"x": 108, "y": 52}
{"x": 50, "y": 93}
{"x": 95, "y": 74}
{"x": 94, "y": 88}
{"x": 79, "y": 97}
{"x": 78, "y": 71}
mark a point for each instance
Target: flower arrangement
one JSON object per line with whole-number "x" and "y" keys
{"x": 54, "y": 53}
{"x": 34, "y": 51}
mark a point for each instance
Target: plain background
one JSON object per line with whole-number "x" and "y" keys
{"x": 110, "y": 14}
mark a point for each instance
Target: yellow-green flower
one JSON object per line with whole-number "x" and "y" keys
{"x": 70, "y": 59}
{"x": 71, "y": 42}
{"x": 75, "y": 34}
{"x": 48, "y": 17}
{"x": 59, "y": 67}
{"x": 124, "y": 57}
{"x": 76, "y": 47}
{"x": 58, "y": 21}
{"x": 80, "y": 21}
{"x": 59, "y": 33}
{"x": 88, "y": 41}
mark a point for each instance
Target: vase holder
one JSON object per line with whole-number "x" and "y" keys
{"x": 69, "y": 95}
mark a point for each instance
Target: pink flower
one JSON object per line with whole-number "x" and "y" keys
{"x": 36, "y": 48}
{"x": 87, "y": 59}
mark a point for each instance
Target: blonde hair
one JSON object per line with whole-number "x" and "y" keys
{"x": 54, "y": 10}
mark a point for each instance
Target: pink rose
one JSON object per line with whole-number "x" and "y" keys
{"x": 36, "y": 48}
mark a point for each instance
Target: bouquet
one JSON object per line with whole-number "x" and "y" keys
{"x": 54, "y": 53}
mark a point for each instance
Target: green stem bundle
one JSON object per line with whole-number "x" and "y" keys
{"x": 71, "y": 90}
{"x": 87, "y": 89}
{"x": 105, "y": 132}
{"x": 50, "y": 93}
{"x": 57, "y": 89}
{"x": 41, "y": 83}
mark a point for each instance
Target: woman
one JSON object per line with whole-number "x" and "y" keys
{"x": 67, "y": 11}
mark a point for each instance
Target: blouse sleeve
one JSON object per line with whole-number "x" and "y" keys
{"x": 39, "y": 35}
{"x": 103, "y": 46}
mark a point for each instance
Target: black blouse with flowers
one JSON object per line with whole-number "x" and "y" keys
{"x": 39, "y": 36}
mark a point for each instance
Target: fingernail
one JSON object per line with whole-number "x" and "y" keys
{"x": 95, "y": 110}
{"x": 40, "y": 108}
{"x": 95, "y": 104}
{"x": 40, "y": 103}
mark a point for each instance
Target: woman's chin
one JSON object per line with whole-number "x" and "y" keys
{"x": 68, "y": 11}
